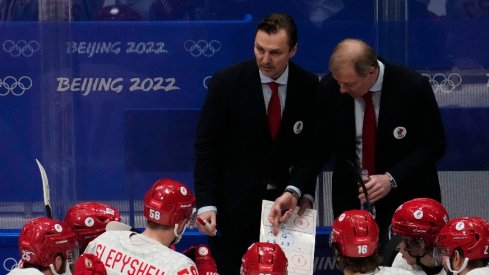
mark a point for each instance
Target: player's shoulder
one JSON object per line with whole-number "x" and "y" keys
{"x": 401, "y": 263}
{"x": 108, "y": 237}
{"x": 24, "y": 271}
{"x": 479, "y": 271}
{"x": 180, "y": 257}
{"x": 393, "y": 271}
{"x": 114, "y": 235}
{"x": 182, "y": 263}
{"x": 172, "y": 262}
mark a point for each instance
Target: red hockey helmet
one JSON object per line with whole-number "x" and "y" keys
{"x": 356, "y": 233}
{"x": 168, "y": 202}
{"x": 264, "y": 258}
{"x": 467, "y": 233}
{"x": 420, "y": 218}
{"x": 41, "y": 239}
{"x": 88, "y": 220}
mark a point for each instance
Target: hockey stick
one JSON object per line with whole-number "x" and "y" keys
{"x": 119, "y": 226}
{"x": 45, "y": 189}
{"x": 367, "y": 205}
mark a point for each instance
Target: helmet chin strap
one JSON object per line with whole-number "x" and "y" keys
{"x": 178, "y": 237}
{"x": 417, "y": 257}
{"x": 449, "y": 266}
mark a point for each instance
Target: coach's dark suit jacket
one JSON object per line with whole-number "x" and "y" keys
{"x": 407, "y": 101}
{"x": 235, "y": 155}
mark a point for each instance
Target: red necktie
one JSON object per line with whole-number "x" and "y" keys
{"x": 369, "y": 133}
{"x": 274, "y": 110}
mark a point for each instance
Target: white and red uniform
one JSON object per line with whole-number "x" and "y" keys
{"x": 387, "y": 270}
{"x": 25, "y": 271}
{"x": 126, "y": 252}
{"x": 479, "y": 271}
{"x": 400, "y": 262}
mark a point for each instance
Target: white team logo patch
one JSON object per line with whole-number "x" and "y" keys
{"x": 418, "y": 214}
{"x": 298, "y": 126}
{"x": 183, "y": 190}
{"x": 89, "y": 221}
{"x": 460, "y": 226}
{"x": 203, "y": 251}
{"x": 341, "y": 217}
{"x": 399, "y": 132}
{"x": 109, "y": 211}
{"x": 58, "y": 227}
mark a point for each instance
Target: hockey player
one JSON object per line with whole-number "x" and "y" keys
{"x": 418, "y": 222}
{"x": 463, "y": 246}
{"x": 88, "y": 220}
{"x": 264, "y": 258}
{"x": 168, "y": 205}
{"x": 355, "y": 238}
{"x": 47, "y": 246}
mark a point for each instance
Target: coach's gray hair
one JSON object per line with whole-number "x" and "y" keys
{"x": 353, "y": 52}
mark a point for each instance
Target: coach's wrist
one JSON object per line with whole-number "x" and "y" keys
{"x": 292, "y": 192}
{"x": 391, "y": 180}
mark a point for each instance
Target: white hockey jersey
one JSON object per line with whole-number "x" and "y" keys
{"x": 387, "y": 270}
{"x": 25, "y": 271}
{"x": 400, "y": 262}
{"x": 126, "y": 252}
{"x": 479, "y": 271}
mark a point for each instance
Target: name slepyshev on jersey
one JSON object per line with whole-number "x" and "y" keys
{"x": 125, "y": 264}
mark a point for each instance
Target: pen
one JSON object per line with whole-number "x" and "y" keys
{"x": 370, "y": 207}
{"x": 207, "y": 226}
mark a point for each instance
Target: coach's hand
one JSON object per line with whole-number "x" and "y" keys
{"x": 377, "y": 187}
{"x": 282, "y": 210}
{"x": 304, "y": 203}
{"x": 210, "y": 217}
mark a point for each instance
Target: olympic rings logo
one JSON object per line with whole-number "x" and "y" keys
{"x": 17, "y": 87}
{"x": 202, "y": 47}
{"x": 9, "y": 264}
{"x": 444, "y": 83}
{"x": 21, "y": 47}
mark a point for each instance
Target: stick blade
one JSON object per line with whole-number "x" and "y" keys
{"x": 45, "y": 188}
{"x": 117, "y": 226}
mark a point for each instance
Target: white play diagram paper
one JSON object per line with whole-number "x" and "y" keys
{"x": 297, "y": 238}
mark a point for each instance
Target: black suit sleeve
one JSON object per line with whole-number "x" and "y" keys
{"x": 209, "y": 135}
{"x": 318, "y": 147}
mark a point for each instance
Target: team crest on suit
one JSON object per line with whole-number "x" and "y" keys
{"x": 298, "y": 126}
{"x": 399, "y": 132}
